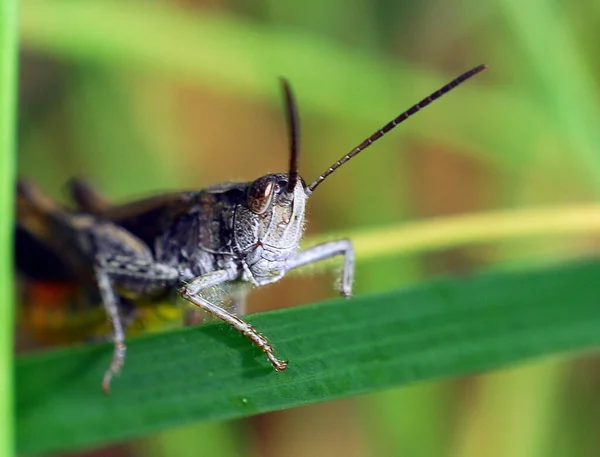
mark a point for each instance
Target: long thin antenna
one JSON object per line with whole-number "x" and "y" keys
{"x": 389, "y": 126}
{"x": 293, "y": 127}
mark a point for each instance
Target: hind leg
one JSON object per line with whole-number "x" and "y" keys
{"x": 86, "y": 197}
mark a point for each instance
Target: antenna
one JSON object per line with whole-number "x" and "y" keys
{"x": 293, "y": 127}
{"x": 390, "y": 125}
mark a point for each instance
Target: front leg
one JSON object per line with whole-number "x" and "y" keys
{"x": 237, "y": 296}
{"x": 193, "y": 293}
{"x": 326, "y": 251}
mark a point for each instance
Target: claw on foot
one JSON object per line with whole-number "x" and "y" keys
{"x": 115, "y": 366}
{"x": 106, "y": 384}
{"x": 279, "y": 365}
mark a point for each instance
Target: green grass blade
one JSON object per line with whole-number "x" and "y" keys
{"x": 338, "y": 348}
{"x": 8, "y": 98}
{"x": 448, "y": 232}
{"x": 566, "y": 83}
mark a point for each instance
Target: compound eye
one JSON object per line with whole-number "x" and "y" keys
{"x": 260, "y": 195}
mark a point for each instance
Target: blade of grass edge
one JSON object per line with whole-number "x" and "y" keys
{"x": 8, "y": 98}
{"x": 339, "y": 348}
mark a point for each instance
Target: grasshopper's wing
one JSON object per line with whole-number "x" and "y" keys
{"x": 148, "y": 218}
{"x": 145, "y": 218}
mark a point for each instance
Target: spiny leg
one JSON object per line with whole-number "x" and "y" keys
{"x": 326, "y": 251}
{"x": 234, "y": 300}
{"x": 139, "y": 276}
{"x": 193, "y": 293}
{"x": 109, "y": 300}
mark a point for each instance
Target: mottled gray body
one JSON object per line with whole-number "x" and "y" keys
{"x": 237, "y": 233}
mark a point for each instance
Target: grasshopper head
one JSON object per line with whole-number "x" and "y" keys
{"x": 270, "y": 224}
{"x": 278, "y": 210}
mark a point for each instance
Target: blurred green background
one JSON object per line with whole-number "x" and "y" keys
{"x": 145, "y": 96}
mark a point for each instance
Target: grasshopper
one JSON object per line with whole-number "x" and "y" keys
{"x": 195, "y": 242}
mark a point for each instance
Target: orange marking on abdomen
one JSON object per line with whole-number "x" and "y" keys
{"x": 46, "y": 294}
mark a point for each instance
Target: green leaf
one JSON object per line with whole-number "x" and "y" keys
{"x": 338, "y": 348}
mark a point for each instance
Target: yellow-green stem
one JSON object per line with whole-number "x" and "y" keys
{"x": 8, "y": 91}
{"x": 471, "y": 229}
